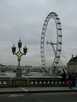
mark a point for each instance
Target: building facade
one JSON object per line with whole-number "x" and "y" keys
{"x": 72, "y": 65}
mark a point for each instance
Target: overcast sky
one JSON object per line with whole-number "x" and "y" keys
{"x": 24, "y": 19}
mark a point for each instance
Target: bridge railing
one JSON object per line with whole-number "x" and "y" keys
{"x": 32, "y": 82}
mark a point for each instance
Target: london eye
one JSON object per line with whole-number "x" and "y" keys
{"x": 56, "y": 46}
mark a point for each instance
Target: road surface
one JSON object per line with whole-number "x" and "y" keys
{"x": 39, "y": 97}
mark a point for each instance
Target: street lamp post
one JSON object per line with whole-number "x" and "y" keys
{"x": 19, "y": 54}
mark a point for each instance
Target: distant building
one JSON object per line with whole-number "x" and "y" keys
{"x": 3, "y": 68}
{"x": 72, "y": 65}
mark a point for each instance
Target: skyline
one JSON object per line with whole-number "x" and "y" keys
{"x": 24, "y": 19}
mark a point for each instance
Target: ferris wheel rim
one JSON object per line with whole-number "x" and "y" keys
{"x": 59, "y": 39}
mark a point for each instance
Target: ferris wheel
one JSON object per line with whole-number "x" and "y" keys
{"x": 56, "y": 46}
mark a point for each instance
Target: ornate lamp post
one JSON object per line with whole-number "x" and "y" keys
{"x": 19, "y": 54}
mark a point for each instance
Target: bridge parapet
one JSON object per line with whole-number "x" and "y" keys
{"x": 31, "y": 82}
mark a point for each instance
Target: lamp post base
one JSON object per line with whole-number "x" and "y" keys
{"x": 18, "y": 73}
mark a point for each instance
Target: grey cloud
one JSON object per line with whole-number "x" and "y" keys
{"x": 24, "y": 18}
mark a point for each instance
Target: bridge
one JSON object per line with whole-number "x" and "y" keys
{"x": 31, "y": 81}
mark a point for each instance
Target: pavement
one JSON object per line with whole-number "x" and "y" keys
{"x": 37, "y": 90}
